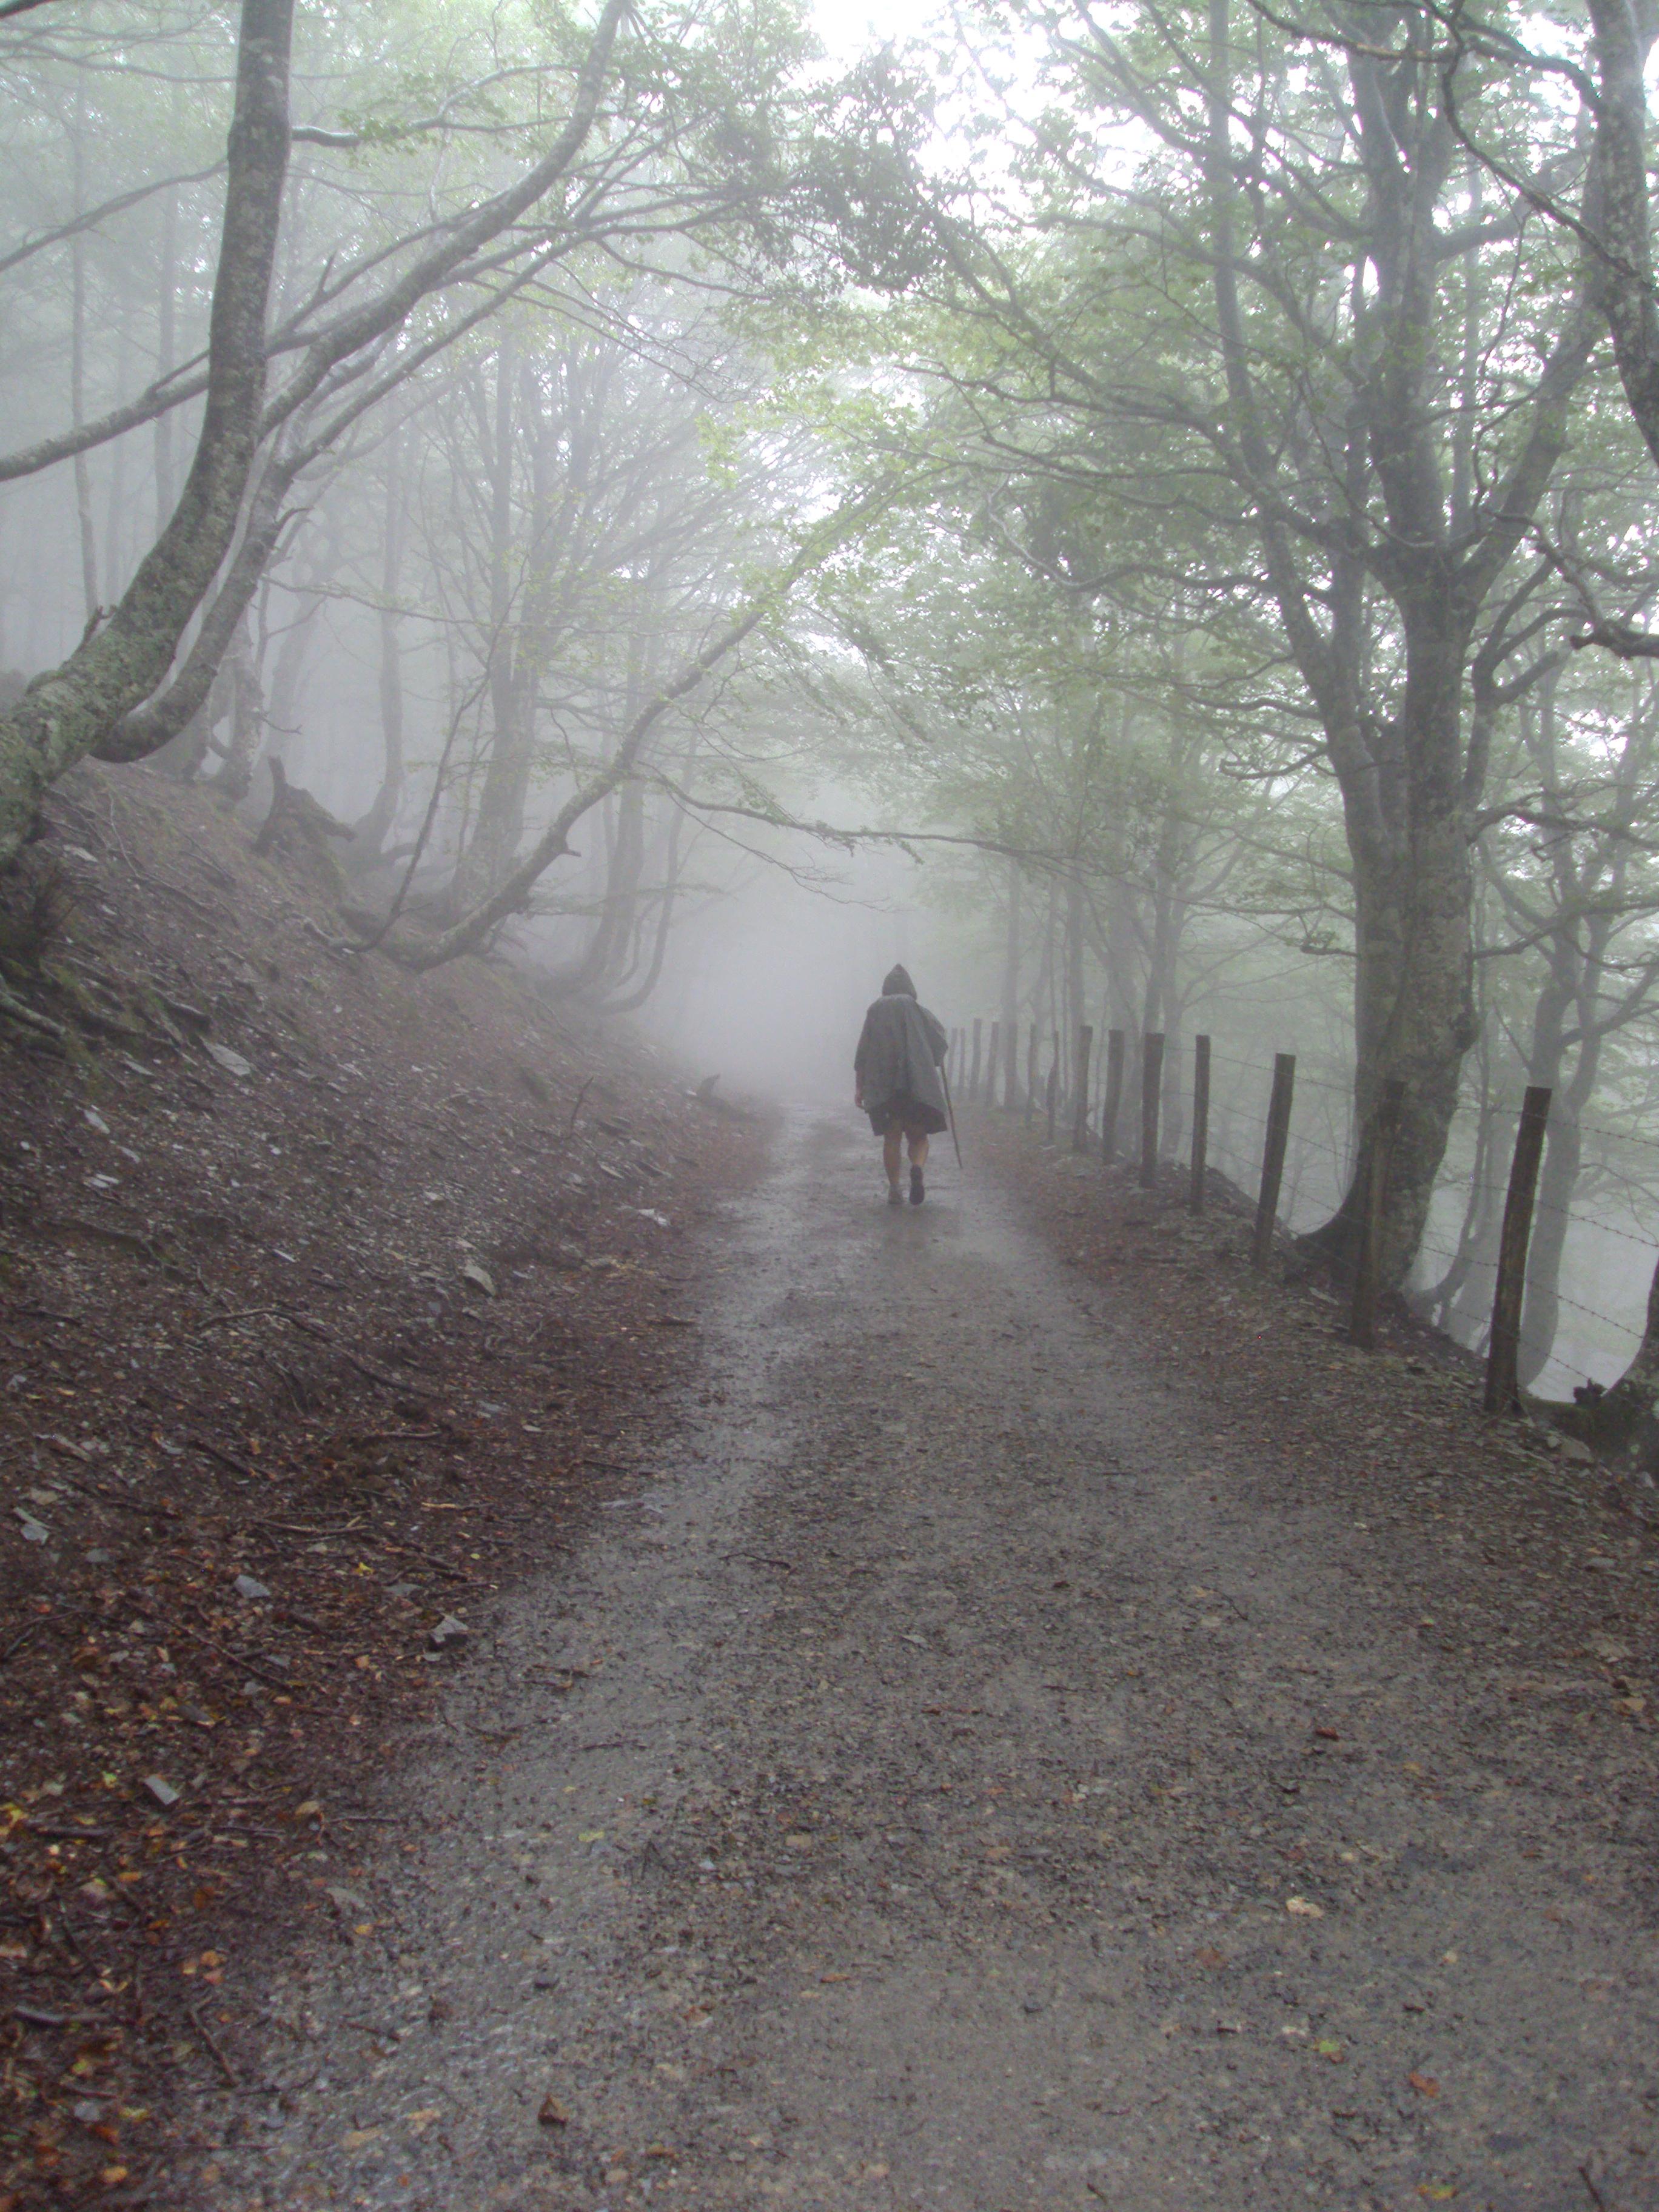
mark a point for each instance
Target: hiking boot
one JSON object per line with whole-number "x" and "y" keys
{"x": 894, "y": 1196}
{"x": 917, "y": 1193}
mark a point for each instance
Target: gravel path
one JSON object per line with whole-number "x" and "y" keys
{"x": 942, "y": 1782}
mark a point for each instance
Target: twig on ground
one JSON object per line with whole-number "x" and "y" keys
{"x": 233, "y": 2079}
{"x": 120, "y": 842}
{"x": 225, "y": 1459}
{"x": 234, "y": 1658}
{"x": 414, "y": 1552}
{"x": 244, "y": 1313}
{"x": 387, "y": 1381}
{"x": 18, "y": 1642}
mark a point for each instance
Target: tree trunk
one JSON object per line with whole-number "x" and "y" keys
{"x": 1011, "y": 988}
{"x": 167, "y": 336}
{"x": 64, "y": 715}
{"x": 247, "y": 721}
{"x": 1621, "y": 1424}
{"x": 1413, "y": 1018}
{"x": 376, "y": 825}
{"x": 1073, "y": 980}
{"x": 78, "y": 360}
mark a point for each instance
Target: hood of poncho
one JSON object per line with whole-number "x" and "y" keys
{"x": 897, "y": 979}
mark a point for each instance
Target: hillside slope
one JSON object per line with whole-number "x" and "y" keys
{"x": 327, "y": 1291}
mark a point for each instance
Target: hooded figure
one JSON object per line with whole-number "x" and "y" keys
{"x": 896, "y": 1078}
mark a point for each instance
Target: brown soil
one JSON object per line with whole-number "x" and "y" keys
{"x": 365, "y": 1323}
{"x": 1538, "y": 1549}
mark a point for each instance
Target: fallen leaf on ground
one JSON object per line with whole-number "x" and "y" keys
{"x": 1424, "y": 2084}
{"x": 1304, "y": 1909}
{"x": 553, "y": 2113}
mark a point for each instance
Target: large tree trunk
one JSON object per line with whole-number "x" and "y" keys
{"x": 65, "y": 714}
{"x": 1413, "y": 1020}
{"x": 1413, "y": 1009}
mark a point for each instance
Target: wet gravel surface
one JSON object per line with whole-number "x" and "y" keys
{"x": 954, "y": 1778}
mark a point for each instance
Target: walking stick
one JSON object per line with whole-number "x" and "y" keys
{"x": 950, "y": 1110}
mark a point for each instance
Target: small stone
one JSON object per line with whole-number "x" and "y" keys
{"x": 32, "y": 1531}
{"x": 449, "y": 1631}
{"x": 480, "y": 1277}
{"x": 232, "y": 1062}
{"x": 94, "y": 1120}
{"x": 1574, "y": 1448}
{"x": 160, "y": 1789}
{"x": 1596, "y": 1564}
{"x": 1610, "y": 1648}
{"x": 553, "y": 2113}
{"x": 249, "y": 1587}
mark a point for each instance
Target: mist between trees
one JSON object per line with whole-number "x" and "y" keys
{"x": 1186, "y": 479}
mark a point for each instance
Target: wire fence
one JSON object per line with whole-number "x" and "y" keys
{"x": 1595, "y": 1309}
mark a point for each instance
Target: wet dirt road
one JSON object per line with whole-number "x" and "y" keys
{"x": 943, "y": 1781}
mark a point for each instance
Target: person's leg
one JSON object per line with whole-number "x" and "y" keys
{"x": 918, "y": 1139}
{"x": 890, "y": 1158}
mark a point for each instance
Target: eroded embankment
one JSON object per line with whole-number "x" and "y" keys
{"x": 327, "y": 1294}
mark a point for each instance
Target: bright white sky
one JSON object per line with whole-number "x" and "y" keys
{"x": 848, "y": 28}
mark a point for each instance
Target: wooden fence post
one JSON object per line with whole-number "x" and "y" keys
{"x": 973, "y": 1077}
{"x": 1373, "y": 1201}
{"x": 991, "y": 1064}
{"x": 1503, "y": 1391}
{"x": 1273, "y": 1156}
{"x": 1053, "y": 1086}
{"x": 1112, "y": 1103}
{"x": 1030, "y": 1075}
{"x": 1151, "y": 1097}
{"x": 1200, "y": 1120}
{"x": 1011, "y": 1068}
{"x": 1086, "y": 1038}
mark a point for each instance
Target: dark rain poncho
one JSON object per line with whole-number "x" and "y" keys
{"x": 898, "y": 1060}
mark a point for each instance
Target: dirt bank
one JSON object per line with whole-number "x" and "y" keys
{"x": 329, "y": 1298}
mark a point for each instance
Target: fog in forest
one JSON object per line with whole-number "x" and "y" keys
{"x": 702, "y": 503}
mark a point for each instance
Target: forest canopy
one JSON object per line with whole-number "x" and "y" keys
{"x": 1184, "y": 475}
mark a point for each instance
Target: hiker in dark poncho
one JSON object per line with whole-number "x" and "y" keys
{"x": 896, "y": 1079}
